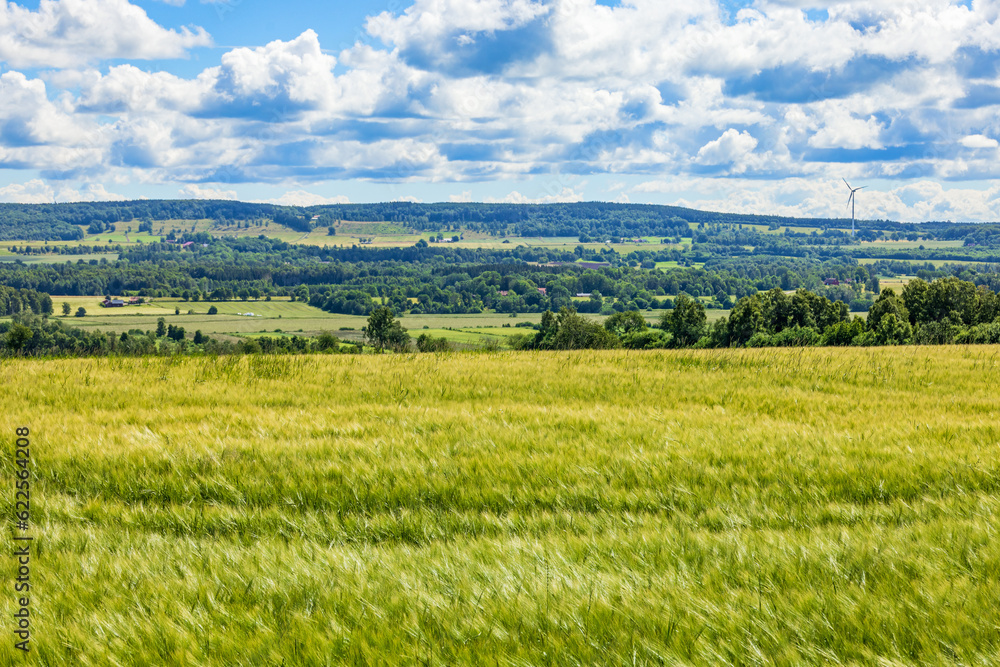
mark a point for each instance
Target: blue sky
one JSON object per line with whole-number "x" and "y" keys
{"x": 758, "y": 107}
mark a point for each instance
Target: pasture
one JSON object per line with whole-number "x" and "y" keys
{"x": 59, "y": 258}
{"x": 234, "y": 318}
{"x": 789, "y": 506}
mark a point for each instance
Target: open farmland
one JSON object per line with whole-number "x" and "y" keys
{"x": 820, "y": 506}
{"x": 245, "y": 317}
{"x": 238, "y": 318}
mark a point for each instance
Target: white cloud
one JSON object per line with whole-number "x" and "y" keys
{"x": 296, "y": 74}
{"x": 197, "y": 192}
{"x": 128, "y": 89}
{"x": 32, "y": 192}
{"x": 67, "y": 33}
{"x": 490, "y": 90}
{"x": 428, "y": 22}
{"x": 90, "y": 192}
{"x": 978, "y": 141}
{"x": 731, "y": 148}
{"x": 922, "y": 201}
{"x": 839, "y": 128}
{"x": 303, "y": 198}
{"x": 566, "y": 195}
{"x": 37, "y": 191}
{"x": 28, "y": 117}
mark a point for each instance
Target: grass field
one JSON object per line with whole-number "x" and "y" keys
{"x": 895, "y": 284}
{"x": 291, "y": 317}
{"x": 819, "y": 506}
{"x": 913, "y": 245}
{"x": 59, "y": 258}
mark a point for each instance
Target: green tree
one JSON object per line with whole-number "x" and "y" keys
{"x": 570, "y": 331}
{"x": 686, "y": 322}
{"x": 66, "y": 308}
{"x": 596, "y": 301}
{"x": 893, "y": 331}
{"x": 81, "y": 312}
{"x": 427, "y": 343}
{"x": 946, "y": 296}
{"x": 213, "y": 310}
{"x": 327, "y": 341}
{"x": 626, "y": 323}
{"x": 915, "y": 300}
{"x": 384, "y": 331}
{"x": 18, "y": 336}
{"x": 547, "y": 330}
{"x": 161, "y": 328}
{"x": 745, "y": 320}
{"x": 887, "y": 304}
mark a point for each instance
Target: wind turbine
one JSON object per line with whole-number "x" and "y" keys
{"x": 850, "y": 201}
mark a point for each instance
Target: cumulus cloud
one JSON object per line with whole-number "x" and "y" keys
{"x": 731, "y": 148}
{"x": 494, "y": 90}
{"x": 566, "y": 195}
{"x": 37, "y": 191}
{"x": 33, "y": 192}
{"x": 304, "y": 198}
{"x": 273, "y": 81}
{"x": 465, "y": 36}
{"x": 978, "y": 141}
{"x": 64, "y": 33}
{"x": 197, "y": 192}
{"x": 921, "y": 201}
{"x": 27, "y": 117}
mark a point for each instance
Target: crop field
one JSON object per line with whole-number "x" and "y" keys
{"x": 809, "y": 506}
{"x": 782, "y": 229}
{"x": 59, "y": 258}
{"x": 568, "y": 243}
{"x": 675, "y": 265}
{"x": 895, "y": 284}
{"x": 238, "y": 318}
{"x": 235, "y": 318}
{"x": 913, "y": 245}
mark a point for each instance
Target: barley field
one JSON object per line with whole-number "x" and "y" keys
{"x": 782, "y": 506}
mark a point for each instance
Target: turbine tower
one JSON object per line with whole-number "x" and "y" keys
{"x": 850, "y": 201}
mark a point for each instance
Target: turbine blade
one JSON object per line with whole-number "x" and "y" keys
{"x": 846, "y": 183}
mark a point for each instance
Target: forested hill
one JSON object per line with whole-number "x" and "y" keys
{"x": 71, "y": 221}
{"x": 53, "y": 222}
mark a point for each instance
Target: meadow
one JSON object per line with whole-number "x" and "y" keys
{"x": 782, "y": 506}
{"x": 294, "y": 317}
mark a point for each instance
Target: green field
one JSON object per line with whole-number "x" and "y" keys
{"x": 59, "y": 258}
{"x": 913, "y": 245}
{"x": 806, "y": 506}
{"x": 280, "y": 313}
{"x": 293, "y": 317}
